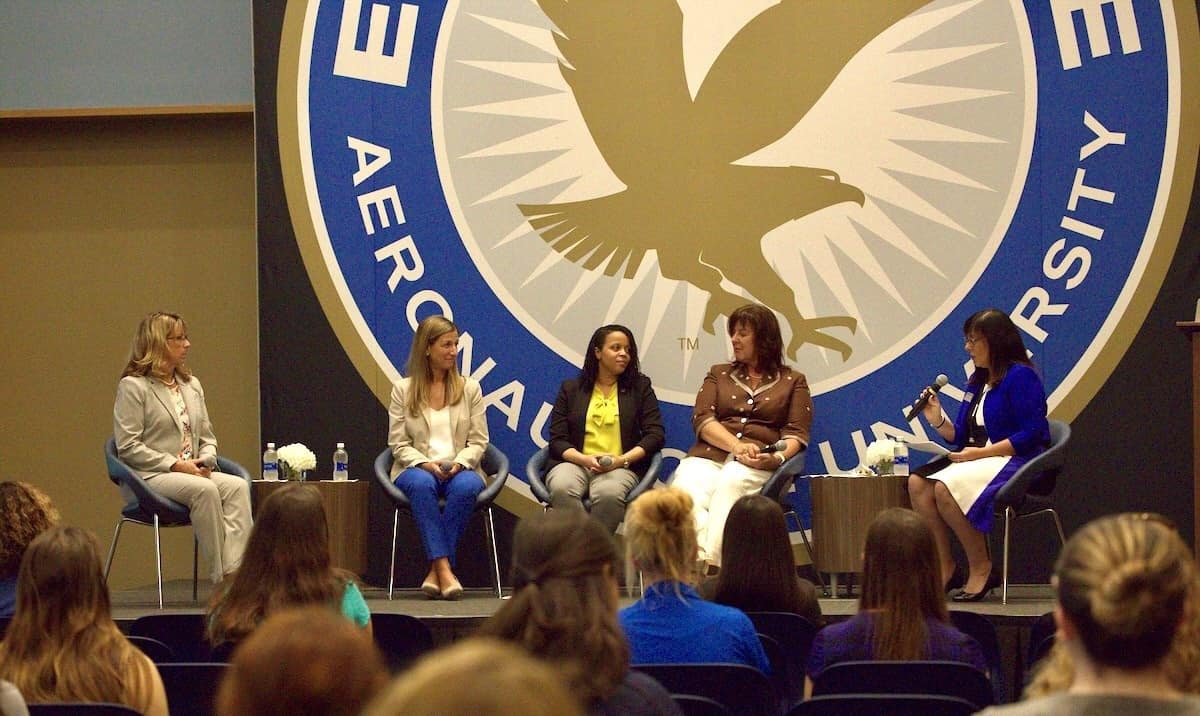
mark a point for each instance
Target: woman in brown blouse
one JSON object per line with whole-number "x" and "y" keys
{"x": 742, "y": 407}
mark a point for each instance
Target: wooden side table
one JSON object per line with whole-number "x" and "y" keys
{"x": 345, "y": 505}
{"x": 843, "y": 508}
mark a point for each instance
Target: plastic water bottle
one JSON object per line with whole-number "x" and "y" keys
{"x": 900, "y": 458}
{"x": 341, "y": 463}
{"x": 270, "y": 463}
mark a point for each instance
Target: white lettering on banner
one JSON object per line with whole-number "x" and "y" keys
{"x": 373, "y": 64}
{"x": 1104, "y": 137}
{"x": 396, "y": 251}
{"x": 512, "y": 410}
{"x": 1096, "y": 30}
{"x": 379, "y": 199}
{"x": 419, "y": 299}
{"x": 539, "y": 426}
{"x": 371, "y": 158}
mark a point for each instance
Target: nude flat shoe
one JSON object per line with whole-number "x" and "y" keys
{"x": 453, "y": 590}
{"x": 431, "y": 588}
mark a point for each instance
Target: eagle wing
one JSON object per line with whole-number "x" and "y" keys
{"x": 605, "y": 230}
{"x": 777, "y": 67}
{"x": 623, "y": 59}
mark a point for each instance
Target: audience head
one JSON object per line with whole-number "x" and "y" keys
{"x": 591, "y": 361}
{"x": 1122, "y": 585}
{"x": 901, "y": 583}
{"x": 768, "y": 341}
{"x": 564, "y": 605}
{"x": 62, "y": 644}
{"x": 25, "y": 512}
{"x": 302, "y": 661}
{"x": 479, "y": 676}
{"x": 758, "y": 566}
{"x": 1004, "y": 344}
{"x": 286, "y": 563}
{"x": 148, "y": 356}
{"x": 660, "y": 535}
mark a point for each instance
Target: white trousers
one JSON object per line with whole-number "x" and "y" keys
{"x": 714, "y": 487}
{"x": 220, "y": 513}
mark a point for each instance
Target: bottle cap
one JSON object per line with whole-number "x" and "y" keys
{"x": 270, "y": 446}
{"x": 341, "y": 445}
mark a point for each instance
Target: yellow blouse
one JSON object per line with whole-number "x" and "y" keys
{"x": 602, "y": 428}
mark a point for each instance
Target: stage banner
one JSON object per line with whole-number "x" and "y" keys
{"x": 874, "y": 172}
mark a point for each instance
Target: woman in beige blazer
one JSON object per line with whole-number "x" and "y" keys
{"x": 437, "y": 432}
{"x": 163, "y": 433}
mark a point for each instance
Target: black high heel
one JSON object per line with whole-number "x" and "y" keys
{"x": 993, "y": 581}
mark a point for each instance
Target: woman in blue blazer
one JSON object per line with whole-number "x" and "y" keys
{"x": 603, "y": 430}
{"x": 1000, "y": 426}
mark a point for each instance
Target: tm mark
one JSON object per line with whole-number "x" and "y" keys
{"x": 688, "y": 344}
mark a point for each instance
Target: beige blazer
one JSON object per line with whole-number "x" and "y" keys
{"x": 408, "y": 437}
{"x": 147, "y": 429}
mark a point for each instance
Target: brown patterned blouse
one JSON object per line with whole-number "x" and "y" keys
{"x": 780, "y": 407}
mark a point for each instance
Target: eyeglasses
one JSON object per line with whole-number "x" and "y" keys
{"x": 972, "y": 340}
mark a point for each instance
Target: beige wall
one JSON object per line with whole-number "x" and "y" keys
{"x": 102, "y": 221}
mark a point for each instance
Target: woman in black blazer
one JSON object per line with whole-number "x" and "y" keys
{"x": 604, "y": 428}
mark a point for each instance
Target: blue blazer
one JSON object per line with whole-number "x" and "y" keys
{"x": 1014, "y": 410}
{"x": 641, "y": 423}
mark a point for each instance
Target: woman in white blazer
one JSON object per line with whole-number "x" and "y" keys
{"x": 438, "y": 432}
{"x": 163, "y": 433}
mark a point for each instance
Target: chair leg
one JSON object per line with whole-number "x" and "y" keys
{"x": 1062, "y": 536}
{"x": 112, "y": 550}
{"x": 158, "y": 562}
{"x": 812, "y": 557}
{"x": 491, "y": 535}
{"x": 1008, "y": 513}
{"x": 196, "y": 568}
{"x": 392, "y": 569}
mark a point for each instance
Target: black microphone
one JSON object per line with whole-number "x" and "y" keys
{"x": 777, "y": 446}
{"x": 926, "y": 394}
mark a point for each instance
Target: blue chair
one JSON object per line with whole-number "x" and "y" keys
{"x": 158, "y": 652}
{"x": 494, "y": 464}
{"x": 1029, "y": 492}
{"x": 535, "y": 470}
{"x": 144, "y": 506}
{"x": 889, "y": 704}
{"x": 945, "y": 678}
{"x": 739, "y": 688}
{"x": 191, "y": 687}
{"x": 183, "y": 633}
{"x": 982, "y": 630}
{"x": 794, "y": 634}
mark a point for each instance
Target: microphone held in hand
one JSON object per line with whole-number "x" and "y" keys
{"x": 777, "y": 446}
{"x": 446, "y": 466}
{"x": 926, "y": 394}
{"x": 208, "y": 461}
{"x": 604, "y": 460}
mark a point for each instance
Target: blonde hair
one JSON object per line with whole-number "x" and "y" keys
{"x": 306, "y": 660}
{"x": 660, "y": 534}
{"x": 147, "y": 357}
{"x": 25, "y": 512}
{"x": 420, "y": 374}
{"x": 62, "y": 644}
{"x": 504, "y": 679}
{"x": 1124, "y": 582}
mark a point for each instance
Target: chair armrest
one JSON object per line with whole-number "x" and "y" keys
{"x": 1012, "y": 493}
{"x": 779, "y": 481}
{"x": 533, "y": 474}
{"x": 495, "y": 464}
{"x": 648, "y": 479}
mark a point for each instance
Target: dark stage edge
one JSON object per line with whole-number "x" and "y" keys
{"x": 449, "y": 621}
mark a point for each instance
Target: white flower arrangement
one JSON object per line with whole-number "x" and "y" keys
{"x": 881, "y": 455}
{"x": 296, "y": 458}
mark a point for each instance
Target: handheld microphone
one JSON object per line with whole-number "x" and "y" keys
{"x": 926, "y": 394}
{"x": 604, "y": 460}
{"x": 777, "y": 446}
{"x": 446, "y": 465}
{"x": 208, "y": 461}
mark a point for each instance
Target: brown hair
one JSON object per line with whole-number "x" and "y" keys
{"x": 420, "y": 375}
{"x": 286, "y": 563}
{"x": 300, "y": 662}
{"x": 25, "y": 512}
{"x": 62, "y": 644}
{"x": 901, "y": 585}
{"x": 504, "y": 679}
{"x": 768, "y": 341}
{"x": 147, "y": 357}
{"x": 660, "y": 534}
{"x": 564, "y": 605}
{"x": 759, "y": 570}
{"x": 1005, "y": 346}
{"x": 1124, "y": 581}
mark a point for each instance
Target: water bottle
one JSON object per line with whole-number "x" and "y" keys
{"x": 341, "y": 463}
{"x": 270, "y": 463}
{"x": 900, "y": 458}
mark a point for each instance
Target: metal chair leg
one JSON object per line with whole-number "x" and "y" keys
{"x": 196, "y": 568}
{"x": 158, "y": 562}
{"x": 392, "y": 570}
{"x": 1062, "y": 536}
{"x": 812, "y": 557}
{"x": 491, "y": 534}
{"x": 1008, "y": 512}
{"x": 112, "y": 550}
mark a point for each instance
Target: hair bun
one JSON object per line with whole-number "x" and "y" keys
{"x": 1127, "y": 597}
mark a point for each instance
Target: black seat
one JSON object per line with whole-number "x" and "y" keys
{"x": 191, "y": 687}
{"x": 884, "y": 705}
{"x": 741, "y": 689}
{"x": 982, "y": 630}
{"x": 535, "y": 472}
{"x": 158, "y": 652}
{"x": 182, "y": 633}
{"x": 494, "y": 464}
{"x": 81, "y": 709}
{"x": 401, "y": 638}
{"x": 779, "y": 670}
{"x": 777, "y": 487}
{"x": 1030, "y": 491}
{"x": 1041, "y": 639}
{"x": 691, "y": 705}
{"x": 795, "y": 635}
{"x": 947, "y": 678}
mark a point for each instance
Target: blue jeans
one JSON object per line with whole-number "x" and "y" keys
{"x": 441, "y": 509}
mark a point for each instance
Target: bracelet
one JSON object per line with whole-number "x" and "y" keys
{"x": 939, "y": 425}
{"x": 782, "y": 458}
